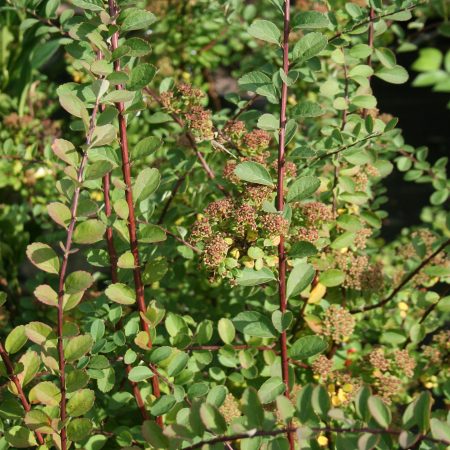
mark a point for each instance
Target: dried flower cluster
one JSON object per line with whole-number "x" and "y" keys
{"x": 249, "y": 143}
{"x": 338, "y": 323}
{"x": 230, "y": 408}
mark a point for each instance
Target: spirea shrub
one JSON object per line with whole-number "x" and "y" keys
{"x": 213, "y": 275}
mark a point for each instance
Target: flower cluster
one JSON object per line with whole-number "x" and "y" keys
{"x": 322, "y": 366}
{"x": 234, "y": 234}
{"x": 249, "y": 143}
{"x": 338, "y": 323}
{"x": 188, "y": 100}
{"x": 360, "y": 274}
{"x": 230, "y": 409}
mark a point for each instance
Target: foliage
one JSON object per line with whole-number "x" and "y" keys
{"x": 204, "y": 274}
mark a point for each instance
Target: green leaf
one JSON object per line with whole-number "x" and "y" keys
{"x": 302, "y": 188}
{"x": 141, "y": 76}
{"x": 250, "y": 277}
{"x": 307, "y": 109}
{"x": 73, "y": 105}
{"x": 153, "y": 434}
{"x": 162, "y": 405}
{"x": 253, "y": 323}
{"x": 38, "y": 420}
{"x": 43, "y": 257}
{"x": 98, "y": 169}
{"x": 299, "y": 279}
{"x": 265, "y": 30}
{"x": 146, "y": 147}
{"x": 118, "y": 96}
{"x": 60, "y": 213}
{"x": 320, "y": 401}
{"x": 20, "y": 437}
{"x": 65, "y": 151}
{"x": 252, "y": 408}
{"x": 440, "y": 430}
{"x": 268, "y": 122}
{"x": 16, "y": 339}
{"x": 78, "y": 281}
{"x": 252, "y": 81}
{"x": 253, "y": 172}
{"x": 418, "y": 413}
{"x": 309, "y": 20}
{"x": 394, "y": 75}
{"x": 151, "y": 233}
{"x": 140, "y": 373}
{"x": 285, "y": 408}
{"x": 46, "y": 393}
{"x": 368, "y": 441}
{"x": 309, "y": 46}
{"x": 271, "y": 389}
{"x": 226, "y": 330}
{"x": 146, "y": 183}
{"x": 364, "y": 101}
{"x": 344, "y": 240}
{"x": 38, "y": 332}
{"x": 77, "y": 347}
{"x": 103, "y": 135}
{"x": 212, "y": 419}
{"x": 429, "y": 59}
{"x": 79, "y": 429}
{"x": 177, "y": 364}
{"x": 80, "y": 402}
{"x": 89, "y": 232}
{"x": 136, "y": 19}
{"x": 138, "y": 47}
{"x": 307, "y": 346}
{"x": 121, "y": 293}
{"x": 380, "y": 412}
{"x": 332, "y": 277}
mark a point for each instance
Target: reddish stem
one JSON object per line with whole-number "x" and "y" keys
{"x": 132, "y": 229}
{"x": 13, "y": 377}
{"x": 280, "y": 206}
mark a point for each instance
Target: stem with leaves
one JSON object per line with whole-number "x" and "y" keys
{"x": 13, "y": 377}
{"x": 132, "y": 227}
{"x": 280, "y": 205}
{"x": 63, "y": 270}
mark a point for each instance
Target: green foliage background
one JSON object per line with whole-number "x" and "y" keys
{"x": 366, "y": 319}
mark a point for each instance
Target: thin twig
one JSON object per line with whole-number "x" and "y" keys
{"x": 291, "y": 430}
{"x": 374, "y": 19}
{"x": 345, "y": 147}
{"x": 410, "y": 276}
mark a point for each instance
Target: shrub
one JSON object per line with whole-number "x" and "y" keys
{"x": 215, "y": 276}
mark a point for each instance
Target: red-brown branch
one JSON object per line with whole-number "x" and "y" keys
{"x": 280, "y": 206}
{"x": 132, "y": 228}
{"x": 13, "y": 377}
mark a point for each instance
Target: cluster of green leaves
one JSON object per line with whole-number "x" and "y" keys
{"x": 214, "y": 346}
